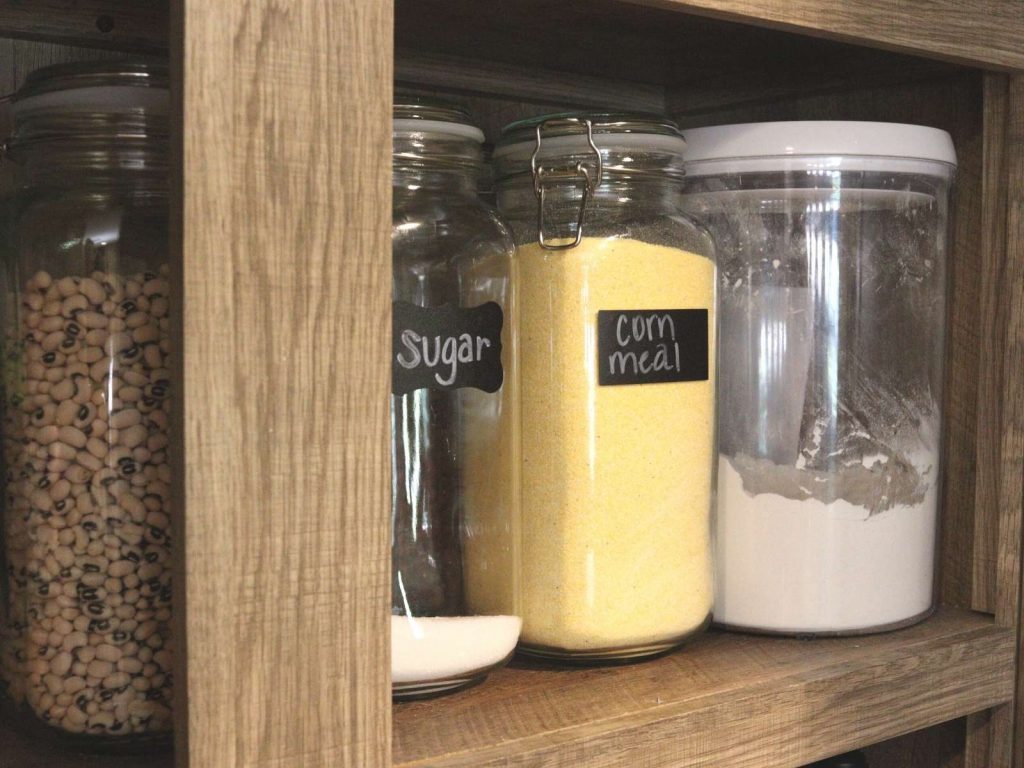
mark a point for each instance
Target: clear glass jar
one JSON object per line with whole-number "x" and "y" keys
{"x": 615, "y": 292}
{"x": 454, "y": 605}
{"x": 85, "y": 615}
{"x": 832, "y": 248}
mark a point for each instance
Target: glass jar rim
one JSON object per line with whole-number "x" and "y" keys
{"x": 630, "y": 145}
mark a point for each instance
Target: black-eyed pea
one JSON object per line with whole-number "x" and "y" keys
{"x": 124, "y": 611}
{"x": 52, "y": 341}
{"x": 67, "y": 286}
{"x": 83, "y": 384}
{"x": 83, "y": 416}
{"x": 72, "y": 305}
{"x": 107, "y": 652}
{"x": 116, "y": 324}
{"x": 153, "y": 355}
{"x": 96, "y": 549}
{"x": 117, "y": 680}
{"x": 59, "y": 491}
{"x": 118, "y": 342}
{"x": 77, "y": 475}
{"x": 55, "y": 375}
{"x": 75, "y": 714}
{"x": 61, "y": 664}
{"x": 97, "y": 448}
{"x": 64, "y": 413}
{"x": 100, "y": 369}
{"x": 62, "y": 451}
{"x": 136, "y": 320}
{"x": 90, "y": 355}
{"x": 92, "y": 290}
{"x": 99, "y": 668}
{"x": 75, "y": 640}
{"x": 125, "y": 418}
{"x": 72, "y": 436}
{"x": 57, "y": 465}
{"x": 101, "y": 722}
{"x": 48, "y": 434}
{"x": 93, "y": 320}
{"x": 51, "y": 322}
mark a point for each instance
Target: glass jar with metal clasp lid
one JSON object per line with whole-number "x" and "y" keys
{"x": 615, "y": 294}
{"x": 85, "y": 614}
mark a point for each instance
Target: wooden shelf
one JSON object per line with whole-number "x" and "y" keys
{"x": 726, "y": 700}
{"x": 19, "y": 750}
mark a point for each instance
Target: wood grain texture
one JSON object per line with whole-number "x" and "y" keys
{"x": 989, "y": 33}
{"x": 993, "y": 313}
{"x": 285, "y": 283}
{"x": 1010, "y": 741}
{"x": 128, "y": 25}
{"x": 997, "y": 742}
{"x": 18, "y": 750}
{"x": 729, "y": 700}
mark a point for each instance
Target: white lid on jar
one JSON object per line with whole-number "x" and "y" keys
{"x": 851, "y": 145}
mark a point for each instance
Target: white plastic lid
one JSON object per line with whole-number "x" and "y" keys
{"x": 878, "y": 146}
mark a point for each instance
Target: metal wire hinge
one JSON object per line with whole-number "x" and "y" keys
{"x": 542, "y": 177}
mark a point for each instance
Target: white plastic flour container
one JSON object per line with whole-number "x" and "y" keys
{"x": 831, "y": 243}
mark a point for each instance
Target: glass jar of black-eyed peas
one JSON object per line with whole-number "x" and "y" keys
{"x": 85, "y": 587}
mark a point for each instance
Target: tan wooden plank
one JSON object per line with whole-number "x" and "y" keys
{"x": 992, "y": 311}
{"x": 1010, "y": 740}
{"x": 998, "y": 742}
{"x": 986, "y": 33}
{"x": 282, "y": 597}
{"x": 128, "y": 25}
{"x": 729, "y": 700}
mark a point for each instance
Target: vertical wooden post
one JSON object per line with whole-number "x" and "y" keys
{"x": 284, "y": 278}
{"x": 995, "y": 739}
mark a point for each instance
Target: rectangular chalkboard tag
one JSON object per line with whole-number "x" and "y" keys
{"x": 652, "y": 346}
{"x": 445, "y": 347}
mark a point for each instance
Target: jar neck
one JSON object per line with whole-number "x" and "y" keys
{"x": 408, "y": 181}
{"x": 637, "y": 192}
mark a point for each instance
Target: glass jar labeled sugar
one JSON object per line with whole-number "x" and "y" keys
{"x": 832, "y": 249}
{"x": 454, "y": 616}
{"x": 615, "y": 297}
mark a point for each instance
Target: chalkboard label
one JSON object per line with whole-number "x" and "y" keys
{"x": 445, "y": 347}
{"x": 652, "y": 346}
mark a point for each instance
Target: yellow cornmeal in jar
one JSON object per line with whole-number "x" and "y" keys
{"x": 616, "y": 480}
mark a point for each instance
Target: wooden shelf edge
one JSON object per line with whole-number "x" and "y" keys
{"x": 741, "y": 701}
{"x": 126, "y": 25}
{"x": 950, "y": 30}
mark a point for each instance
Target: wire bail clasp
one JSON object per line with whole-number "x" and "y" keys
{"x": 577, "y": 173}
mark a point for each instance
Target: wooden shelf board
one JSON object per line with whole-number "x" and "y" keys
{"x": 19, "y": 750}
{"x": 960, "y": 31}
{"x": 727, "y": 699}
{"x": 128, "y": 25}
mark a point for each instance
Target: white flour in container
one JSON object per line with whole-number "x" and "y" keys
{"x": 449, "y": 647}
{"x": 803, "y": 566}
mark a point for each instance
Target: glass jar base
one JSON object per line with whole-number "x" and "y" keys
{"x": 813, "y": 634}
{"x": 432, "y": 688}
{"x": 24, "y": 720}
{"x": 618, "y": 655}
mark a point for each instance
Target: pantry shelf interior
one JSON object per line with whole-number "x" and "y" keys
{"x": 726, "y": 699}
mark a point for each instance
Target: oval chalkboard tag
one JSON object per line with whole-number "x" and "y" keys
{"x": 445, "y": 347}
{"x": 652, "y": 346}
